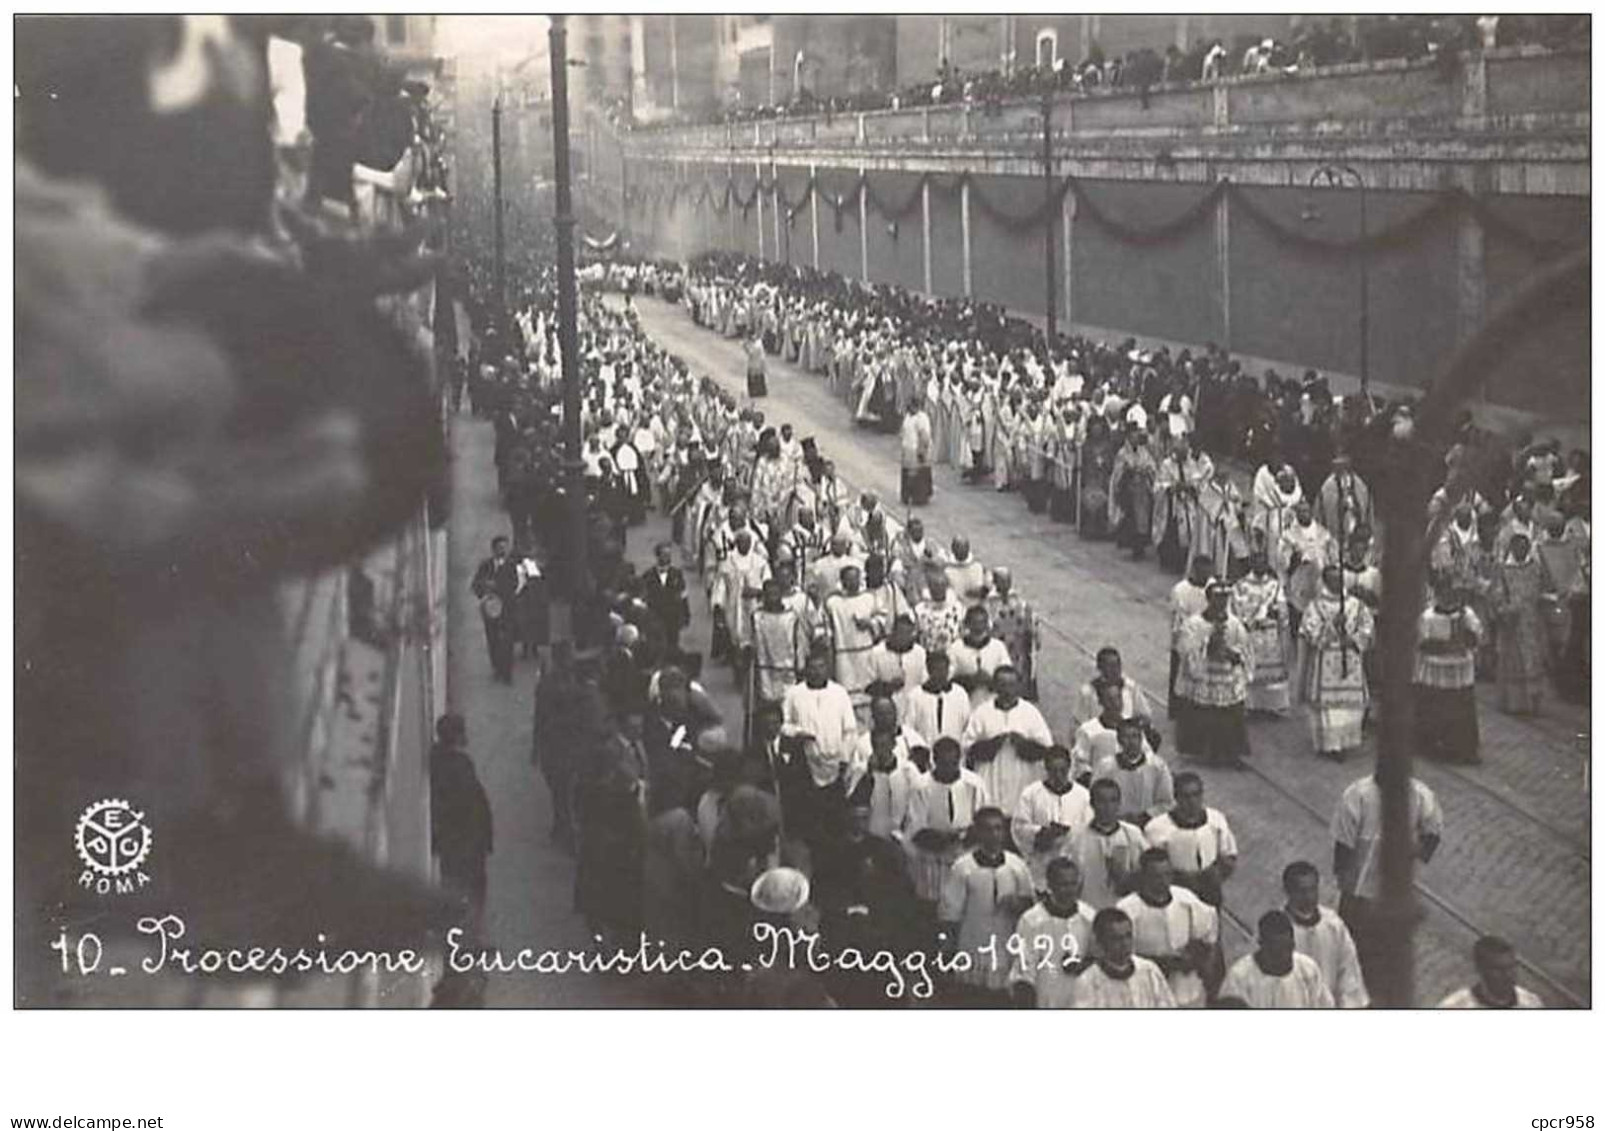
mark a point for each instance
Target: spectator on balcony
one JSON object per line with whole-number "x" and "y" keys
{"x": 150, "y": 288}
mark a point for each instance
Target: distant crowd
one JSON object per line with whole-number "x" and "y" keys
{"x": 1316, "y": 43}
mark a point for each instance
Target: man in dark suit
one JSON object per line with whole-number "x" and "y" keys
{"x": 459, "y": 811}
{"x": 663, "y": 590}
{"x": 497, "y": 576}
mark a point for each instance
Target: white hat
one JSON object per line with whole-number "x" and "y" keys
{"x": 780, "y": 891}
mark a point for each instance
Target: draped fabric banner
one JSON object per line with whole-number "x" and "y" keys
{"x": 1438, "y": 208}
{"x": 894, "y": 213}
{"x": 602, "y": 245}
{"x": 1194, "y": 217}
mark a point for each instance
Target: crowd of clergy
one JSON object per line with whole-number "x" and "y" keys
{"x": 1260, "y": 489}
{"x": 890, "y": 781}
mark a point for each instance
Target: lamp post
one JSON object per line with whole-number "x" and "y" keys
{"x": 496, "y": 173}
{"x": 1340, "y": 176}
{"x": 1047, "y": 216}
{"x": 568, "y": 341}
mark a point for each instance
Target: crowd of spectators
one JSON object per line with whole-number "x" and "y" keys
{"x": 1315, "y": 44}
{"x": 218, "y": 219}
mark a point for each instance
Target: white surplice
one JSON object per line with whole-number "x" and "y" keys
{"x": 1303, "y": 987}
{"x": 1039, "y": 807}
{"x": 1046, "y": 942}
{"x": 1007, "y": 774}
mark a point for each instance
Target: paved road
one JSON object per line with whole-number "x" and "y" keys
{"x": 531, "y": 893}
{"x": 530, "y": 901}
{"x": 1515, "y": 859}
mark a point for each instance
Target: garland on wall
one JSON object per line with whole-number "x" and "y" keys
{"x": 1438, "y": 208}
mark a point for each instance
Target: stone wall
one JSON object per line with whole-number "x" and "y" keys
{"x": 1474, "y": 178}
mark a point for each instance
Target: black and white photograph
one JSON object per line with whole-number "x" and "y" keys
{"x": 729, "y": 515}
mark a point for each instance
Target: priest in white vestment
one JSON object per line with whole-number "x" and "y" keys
{"x": 742, "y": 575}
{"x": 937, "y": 708}
{"x": 1495, "y": 987}
{"x": 882, "y": 773}
{"x": 985, "y": 893}
{"x": 1005, "y": 740}
{"x": 1117, "y": 977}
{"x": 1277, "y": 976}
{"x": 850, "y": 617}
{"x": 1175, "y": 928}
{"x": 977, "y": 655}
{"x": 819, "y": 711}
{"x": 1107, "y": 849}
{"x": 941, "y": 811}
{"x": 1054, "y": 935}
{"x": 1321, "y": 933}
{"x": 1049, "y": 815}
{"x": 897, "y": 664}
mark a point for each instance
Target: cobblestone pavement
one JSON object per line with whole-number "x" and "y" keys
{"x": 530, "y": 900}
{"x": 1515, "y": 858}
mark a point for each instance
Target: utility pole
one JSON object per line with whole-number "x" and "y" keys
{"x": 1047, "y": 215}
{"x": 568, "y": 343}
{"x": 496, "y": 165}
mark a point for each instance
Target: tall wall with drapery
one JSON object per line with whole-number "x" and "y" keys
{"x": 1186, "y": 215}
{"x": 1270, "y": 273}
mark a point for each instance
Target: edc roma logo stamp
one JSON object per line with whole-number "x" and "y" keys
{"x": 113, "y": 841}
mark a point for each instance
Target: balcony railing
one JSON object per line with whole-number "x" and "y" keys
{"x": 1517, "y": 87}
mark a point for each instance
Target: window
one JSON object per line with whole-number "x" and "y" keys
{"x": 1047, "y": 47}
{"x": 395, "y": 28}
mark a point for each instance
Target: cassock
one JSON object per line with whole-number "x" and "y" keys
{"x": 1146, "y": 787}
{"x": 936, "y": 713}
{"x": 780, "y": 650}
{"x": 1095, "y": 743}
{"x": 966, "y": 579}
{"x": 1106, "y": 857}
{"x": 1049, "y": 941}
{"x": 909, "y": 565}
{"x": 1343, "y": 505}
{"x": 1260, "y": 604}
{"x": 945, "y": 807}
{"x": 1007, "y": 774}
{"x": 939, "y": 625}
{"x": 1326, "y": 939}
{"x": 852, "y": 634}
{"x": 1040, "y": 807}
{"x": 890, "y": 603}
{"x": 1166, "y": 930}
{"x": 1469, "y": 997}
{"x": 824, "y": 714}
{"x": 897, "y": 673}
{"x": 741, "y": 576}
{"x": 1142, "y": 987}
{"x": 975, "y": 664}
{"x": 889, "y": 793}
{"x": 973, "y": 896}
{"x": 1014, "y": 623}
{"x": 1192, "y": 847}
{"x": 1133, "y": 701}
{"x": 1302, "y": 987}
{"x": 827, "y": 571}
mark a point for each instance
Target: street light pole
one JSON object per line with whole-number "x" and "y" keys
{"x": 568, "y": 342}
{"x": 496, "y": 172}
{"x": 1047, "y": 216}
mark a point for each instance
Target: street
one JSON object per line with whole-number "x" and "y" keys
{"x": 1516, "y": 853}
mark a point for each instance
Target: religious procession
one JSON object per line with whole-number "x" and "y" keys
{"x": 885, "y": 773}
